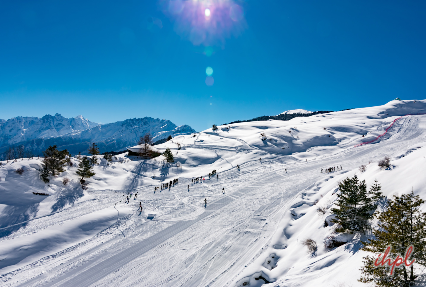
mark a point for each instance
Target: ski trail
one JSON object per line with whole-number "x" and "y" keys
{"x": 85, "y": 276}
{"x": 386, "y": 131}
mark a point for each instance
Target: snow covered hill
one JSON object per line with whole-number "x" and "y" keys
{"x": 76, "y": 134}
{"x": 269, "y": 197}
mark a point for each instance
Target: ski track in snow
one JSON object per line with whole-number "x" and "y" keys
{"x": 190, "y": 245}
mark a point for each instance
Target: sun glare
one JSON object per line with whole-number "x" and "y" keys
{"x": 206, "y": 22}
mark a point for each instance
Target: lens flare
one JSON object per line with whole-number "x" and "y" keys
{"x": 209, "y": 71}
{"x": 209, "y": 81}
{"x": 206, "y": 22}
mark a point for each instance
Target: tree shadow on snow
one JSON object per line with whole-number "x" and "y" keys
{"x": 138, "y": 172}
{"x": 164, "y": 171}
{"x": 67, "y": 196}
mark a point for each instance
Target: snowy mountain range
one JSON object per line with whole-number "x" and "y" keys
{"x": 21, "y": 129}
{"x": 76, "y": 134}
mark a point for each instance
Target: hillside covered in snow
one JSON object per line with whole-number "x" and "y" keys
{"x": 245, "y": 226}
{"x": 77, "y": 134}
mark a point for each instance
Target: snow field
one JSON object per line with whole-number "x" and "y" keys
{"x": 255, "y": 230}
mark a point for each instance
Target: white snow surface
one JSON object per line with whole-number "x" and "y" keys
{"x": 252, "y": 232}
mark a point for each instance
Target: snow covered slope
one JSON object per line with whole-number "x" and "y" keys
{"x": 260, "y": 208}
{"x": 76, "y": 134}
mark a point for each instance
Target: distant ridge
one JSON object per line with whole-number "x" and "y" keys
{"x": 297, "y": 111}
{"x": 285, "y": 116}
{"x": 76, "y": 134}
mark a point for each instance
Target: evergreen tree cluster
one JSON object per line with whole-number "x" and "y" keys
{"x": 401, "y": 225}
{"x": 85, "y": 169}
{"x": 54, "y": 162}
{"x": 282, "y": 117}
{"x": 356, "y": 205}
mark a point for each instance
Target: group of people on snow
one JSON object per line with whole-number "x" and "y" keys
{"x": 167, "y": 185}
{"x": 198, "y": 179}
{"x": 331, "y": 169}
{"x": 129, "y": 196}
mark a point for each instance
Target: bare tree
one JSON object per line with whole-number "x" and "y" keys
{"x": 146, "y": 142}
{"x": 10, "y": 154}
{"x": 20, "y": 151}
{"x": 384, "y": 163}
{"x": 311, "y": 244}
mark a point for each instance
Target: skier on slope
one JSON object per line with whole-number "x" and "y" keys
{"x": 205, "y": 202}
{"x": 140, "y": 206}
{"x": 223, "y": 190}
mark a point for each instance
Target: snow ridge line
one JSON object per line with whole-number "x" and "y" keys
{"x": 386, "y": 131}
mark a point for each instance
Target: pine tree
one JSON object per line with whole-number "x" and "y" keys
{"x": 355, "y": 205}
{"x": 44, "y": 174}
{"x": 93, "y": 150}
{"x": 169, "y": 137}
{"x": 54, "y": 160}
{"x": 214, "y": 128}
{"x": 85, "y": 168}
{"x": 93, "y": 160}
{"x": 400, "y": 226}
{"x": 169, "y": 156}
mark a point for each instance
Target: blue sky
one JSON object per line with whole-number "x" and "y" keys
{"x": 113, "y": 60}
